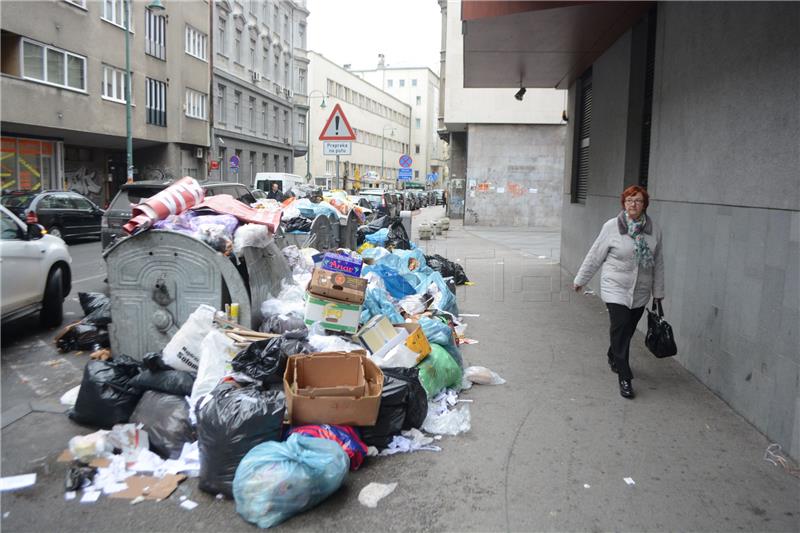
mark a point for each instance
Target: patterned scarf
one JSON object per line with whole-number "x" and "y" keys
{"x": 641, "y": 251}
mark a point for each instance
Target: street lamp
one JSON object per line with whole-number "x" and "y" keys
{"x": 308, "y": 130}
{"x": 383, "y": 142}
{"x": 155, "y": 5}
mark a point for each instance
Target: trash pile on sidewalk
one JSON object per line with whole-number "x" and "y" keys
{"x": 356, "y": 356}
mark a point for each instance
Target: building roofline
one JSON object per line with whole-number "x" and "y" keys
{"x": 350, "y": 72}
{"x": 397, "y": 68}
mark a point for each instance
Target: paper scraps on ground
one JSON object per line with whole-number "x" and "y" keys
{"x": 375, "y": 492}
{"x": 412, "y": 440}
{"x": 150, "y": 488}
{"x": 90, "y": 496}
{"x": 189, "y": 505}
{"x": 17, "y": 482}
{"x": 629, "y": 481}
{"x": 443, "y": 421}
{"x": 469, "y": 315}
{"x": 70, "y": 495}
{"x": 464, "y": 340}
{"x": 586, "y": 486}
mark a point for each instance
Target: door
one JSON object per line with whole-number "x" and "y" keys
{"x": 88, "y": 216}
{"x": 20, "y": 264}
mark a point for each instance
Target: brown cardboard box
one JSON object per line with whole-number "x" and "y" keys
{"x": 313, "y": 371}
{"x": 330, "y": 376}
{"x": 338, "y": 286}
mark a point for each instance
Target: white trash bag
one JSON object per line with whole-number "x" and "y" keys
{"x": 182, "y": 352}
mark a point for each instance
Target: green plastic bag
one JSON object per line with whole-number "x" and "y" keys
{"x": 439, "y": 371}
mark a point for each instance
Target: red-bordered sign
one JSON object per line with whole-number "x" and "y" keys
{"x": 337, "y": 128}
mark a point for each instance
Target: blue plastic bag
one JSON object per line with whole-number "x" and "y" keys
{"x": 445, "y": 300}
{"x": 378, "y": 302}
{"x": 379, "y": 237}
{"x": 395, "y": 284}
{"x": 277, "y": 480}
{"x": 437, "y": 332}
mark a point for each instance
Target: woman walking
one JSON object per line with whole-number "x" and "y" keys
{"x": 629, "y": 251}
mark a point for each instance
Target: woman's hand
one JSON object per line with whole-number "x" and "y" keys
{"x": 577, "y": 288}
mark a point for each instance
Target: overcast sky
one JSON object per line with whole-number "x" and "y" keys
{"x": 407, "y": 32}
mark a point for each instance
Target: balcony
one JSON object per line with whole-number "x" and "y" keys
{"x": 301, "y": 99}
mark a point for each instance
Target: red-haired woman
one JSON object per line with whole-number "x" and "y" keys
{"x": 629, "y": 250}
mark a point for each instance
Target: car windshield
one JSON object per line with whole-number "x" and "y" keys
{"x": 132, "y": 196}
{"x": 374, "y": 199}
{"x": 17, "y": 200}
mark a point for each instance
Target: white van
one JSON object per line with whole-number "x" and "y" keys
{"x": 286, "y": 182}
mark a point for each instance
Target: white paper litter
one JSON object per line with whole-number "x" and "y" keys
{"x": 480, "y": 375}
{"x": 443, "y": 421}
{"x": 188, "y": 462}
{"x": 90, "y": 496}
{"x": 375, "y": 492}
{"x": 629, "y": 481}
{"x": 6, "y": 514}
{"x": 147, "y": 461}
{"x": 469, "y": 315}
{"x": 189, "y": 505}
{"x": 70, "y": 397}
{"x": 114, "y": 487}
{"x": 70, "y": 495}
{"x": 17, "y": 482}
{"x": 586, "y": 486}
{"x": 412, "y": 440}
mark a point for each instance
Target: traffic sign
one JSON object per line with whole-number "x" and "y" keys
{"x": 214, "y": 165}
{"x": 337, "y": 128}
{"x": 404, "y": 174}
{"x": 337, "y": 147}
{"x": 405, "y": 161}
{"x": 234, "y": 161}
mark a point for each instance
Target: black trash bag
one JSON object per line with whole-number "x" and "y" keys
{"x": 230, "y": 424}
{"x": 155, "y": 362}
{"x": 372, "y": 227}
{"x": 265, "y": 361}
{"x": 77, "y": 474}
{"x": 169, "y": 381}
{"x": 297, "y": 224}
{"x": 105, "y": 397}
{"x": 165, "y": 417}
{"x": 282, "y": 324}
{"x": 397, "y": 238}
{"x": 92, "y": 301}
{"x": 404, "y": 405}
{"x": 83, "y": 337}
{"x": 447, "y": 268}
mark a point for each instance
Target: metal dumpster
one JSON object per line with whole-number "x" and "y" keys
{"x": 321, "y": 236}
{"x": 156, "y": 279}
{"x": 348, "y": 227}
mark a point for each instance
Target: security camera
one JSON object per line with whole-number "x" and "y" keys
{"x": 520, "y": 94}
{"x": 220, "y": 141}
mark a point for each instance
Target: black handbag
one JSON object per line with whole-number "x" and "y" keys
{"x": 659, "y": 339}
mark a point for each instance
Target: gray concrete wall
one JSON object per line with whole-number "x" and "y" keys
{"x": 522, "y": 166}
{"x": 725, "y": 188}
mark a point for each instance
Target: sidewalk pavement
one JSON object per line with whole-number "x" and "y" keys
{"x": 549, "y": 450}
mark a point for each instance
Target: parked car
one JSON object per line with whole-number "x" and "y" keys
{"x": 364, "y": 204}
{"x": 383, "y": 202}
{"x": 130, "y": 194}
{"x": 65, "y": 214}
{"x": 258, "y": 194}
{"x": 35, "y": 271}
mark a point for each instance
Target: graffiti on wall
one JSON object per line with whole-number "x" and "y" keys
{"x": 86, "y": 182}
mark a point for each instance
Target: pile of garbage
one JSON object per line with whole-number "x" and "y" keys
{"x": 356, "y": 356}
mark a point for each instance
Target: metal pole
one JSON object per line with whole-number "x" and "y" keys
{"x": 128, "y": 120}
{"x": 308, "y": 145}
{"x": 337, "y": 172}
{"x": 383, "y": 142}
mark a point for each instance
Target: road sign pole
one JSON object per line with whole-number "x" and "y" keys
{"x": 337, "y": 171}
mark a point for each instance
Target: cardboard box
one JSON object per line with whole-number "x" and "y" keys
{"x": 342, "y": 263}
{"x": 332, "y": 314}
{"x": 416, "y": 340}
{"x": 337, "y": 286}
{"x": 313, "y": 371}
{"x": 330, "y": 376}
{"x": 376, "y": 333}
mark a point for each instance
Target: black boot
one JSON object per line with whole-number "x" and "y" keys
{"x": 626, "y": 388}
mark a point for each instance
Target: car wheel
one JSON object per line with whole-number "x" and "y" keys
{"x": 53, "y": 303}
{"x": 55, "y": 231}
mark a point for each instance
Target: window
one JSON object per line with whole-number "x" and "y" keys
{"x": 402, "y": 83}
{"x": 416, "y": 148}
{"x": 155, "y": 34}
{"x": 253, "y": 54}
{"x": 252, "y": 114}
{"x": 237, "y": 108}
{"x": 265, "y": 62}
{"x": 286, "y": 163}
{"x": 195, "y": 43}
{"x": 286, "y": 79}
{"x": 416, "y": 173}
{"x": 222, "y": 42}
{"x": 114, "y": 84}
{"x": 156, "y": 105}
{"x": 302, "y": 76}
{"x": 10, "y": 230}
{"x": 389, "y": 83}
{"x": 52, "y": 65}
{"x": 195, "y": 104}
{"x": 275, "y": 160}
{"x": 301, "y": 125}
{"x": 583, "y": 128}
{"x": 222, "y": 114}
{"x": 285, "y": 125}
{"x": 264, "y": 118}
{"x": 301, "y": 34}
{"x": 417, "y": 123}
{"x": 286, "y": 27}
{"x": 264, "y": 159}
{"x": 237, "y": 46}
{"x": 114, "y": 11}
{"x": 252, "y": 172}
{"x": 275, "y": 124}
{"x": 413, "y": 83}
{"x": 419, "y": 100}
{"x": 276, "y": 67}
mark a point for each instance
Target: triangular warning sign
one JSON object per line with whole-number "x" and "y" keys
{"x": 337, "y": 128}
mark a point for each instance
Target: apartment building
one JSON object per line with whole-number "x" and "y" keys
{"x": 260, "y": 76}
{"x": 63, "y": 93}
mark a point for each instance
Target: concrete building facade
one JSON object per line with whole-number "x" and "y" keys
{"x": 699, "y": 103}
{"x": 419, "y": 88}
{"x": 505, "y": 156}
{"x": 63, "y": 98}
{"x": 379, "y": 120}
{"x": 259, "y": 86}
